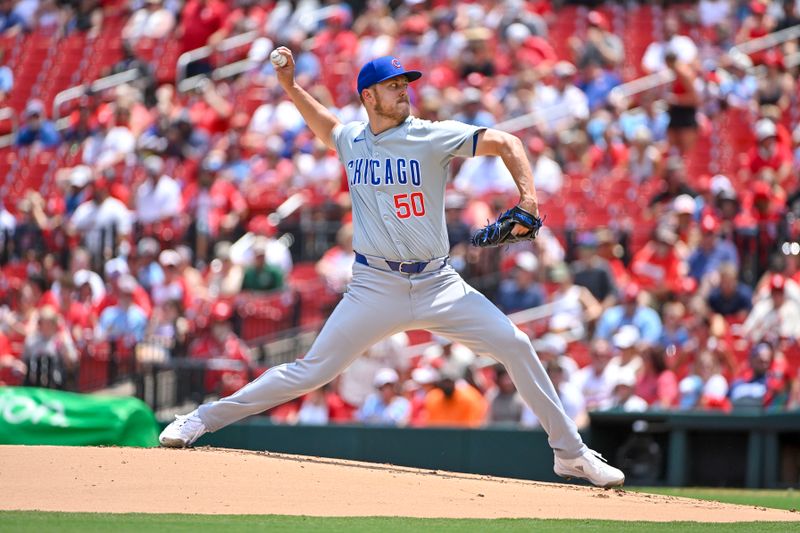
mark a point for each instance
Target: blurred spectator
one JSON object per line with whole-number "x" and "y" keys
{"x": 737, "y": 85}
{"x": 597, "y": 84}
{"x": 454, "y": 403}
{"x": 168, "y": 328}
{"x": 601, "y": 46}
{"x": 153, "y": 21}
{"x": 563, "y": 104}
{"x": 684, "y": 101}
{"x": 593, "y": 272}
{"x": 50, "y": 355}
{"x": 549, "y": 177}
{"x": 644, "y": 159}
{"x": 224, "y": 277}
{"x": 125, "y": 321}
{"x": 227, "y": 356}
{"x": 624, "y": 395}
{"x": 657, "y": 384}
{"x": 87, "y": 16}
{"x": 674, "y": 333}
{"x": 199, "y": 20}
{"x": 654, "y": 59}
{"x": 673, "y": 185}
{"x": 213, "y": 206}
{"x": 484, "y": 175}
{"x": 355, "y": 383}
{"x": 115, "y": 269}
{"x": 521, "y": 291}
{"x": 627, "y": 343}
{"x": 730, "y": 298}
{"x": 773, "y": 316}
{"x": 713, "y": 12}
{"x": 313, "y": 409}
{"x": 505, "y": 403}
{"x": 553, "y": 347}
{"x": 768, "y": 153}
{"x": 571, "y": 399}
{"x": 319, "y": 171}
{"x": 758, "y": 387}
{"x": 11, "y": 22}
{"x": 596, "y": 380}
{"x": 113, "y": 144}
{"x": 101, "y": 220}
{"x": 36, "y": 130}
{"x": 706, "y": 387}
{"x": 158, "y": 197}
{"x": 175, "y": 285}
{"x": 261, "y": 276}
{"x": 658, "y": 267}
{"x": 6, "y": 77}
{"x": 573, "y": 303}
{"x": 148, "y": 271}
{"x": 630, "y": 312}
{"x": 472, "y": 109}
{"x": 757, "y": 24}
{"x": 12, "y": 370}
{"x": 711, "y": 252}
{"x": 336, "y": 265}
{"x": 385, "y": 407}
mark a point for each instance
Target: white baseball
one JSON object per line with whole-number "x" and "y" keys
{"x": 278, "y": 59}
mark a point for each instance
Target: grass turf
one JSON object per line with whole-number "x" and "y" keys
{"x": 778, "y": 499}
{"x": 29, "y": 521}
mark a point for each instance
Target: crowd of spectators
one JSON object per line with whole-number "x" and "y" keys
{"x": 162, "y": 220}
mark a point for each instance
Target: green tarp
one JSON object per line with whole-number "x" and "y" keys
{"x": 42, "y": 416}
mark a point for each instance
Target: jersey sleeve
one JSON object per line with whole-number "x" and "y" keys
{"x": 454, "y": 138}
{"x": 341, "y": 135}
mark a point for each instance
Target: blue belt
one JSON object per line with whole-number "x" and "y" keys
{"x": 406, "y": 267}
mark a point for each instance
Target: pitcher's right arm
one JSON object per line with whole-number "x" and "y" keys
{"x": 319, "y": 119}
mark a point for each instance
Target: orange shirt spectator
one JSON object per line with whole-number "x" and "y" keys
{"x": 453, "y": 404}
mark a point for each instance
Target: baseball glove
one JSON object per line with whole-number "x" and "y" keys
{"x": 499, "y": 232}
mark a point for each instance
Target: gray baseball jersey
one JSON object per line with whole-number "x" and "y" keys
{"x": 397, "y": 182}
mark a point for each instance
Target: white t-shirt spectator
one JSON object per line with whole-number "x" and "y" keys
{"x": 158, "y": 201}
{"x": 481, "y": 175}
{"x": 558, "y": 109}
{"x": 90, "y": 219}
{"x": 148, "y": 24}
{"x": 548, "y": 175}
{"x": 118, "y": 143}
{"x": 596, "y": 388}
{"x": 270, "y": 118}
{"x": 316, "y": 172}
{"x": 713, "y": 12}
{"x": 683, "y": 46}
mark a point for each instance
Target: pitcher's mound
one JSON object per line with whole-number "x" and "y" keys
{"x": 208, "y": 480}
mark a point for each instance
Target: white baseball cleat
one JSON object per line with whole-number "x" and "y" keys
{"x": 592, "y": 467}
{"x": 183, "y": 431}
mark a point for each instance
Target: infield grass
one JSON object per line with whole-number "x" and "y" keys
{"x": 778, "y": 499}
{"x": 31, "y": 521}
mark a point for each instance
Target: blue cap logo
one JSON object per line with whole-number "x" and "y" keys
{"x": 381, "y": 69}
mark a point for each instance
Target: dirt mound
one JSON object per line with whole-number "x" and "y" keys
{"x": 208, "y": 480}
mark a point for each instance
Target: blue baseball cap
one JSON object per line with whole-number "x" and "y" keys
{"x": 381, "y": 69}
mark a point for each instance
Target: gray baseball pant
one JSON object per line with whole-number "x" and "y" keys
{"x": 380, "y": 303}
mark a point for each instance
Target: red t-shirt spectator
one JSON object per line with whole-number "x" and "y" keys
{"x": 232, "y": 348}
{"x": 221, "y": 199}
{"x": 199, "y": 20}
{"x": 656, "y": 271}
